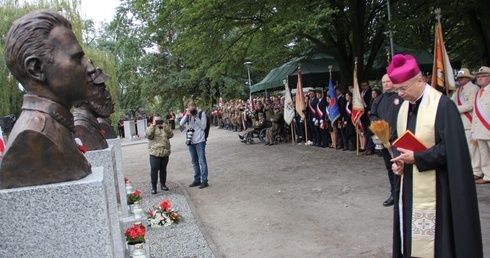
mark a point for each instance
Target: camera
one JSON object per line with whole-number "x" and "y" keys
{"x": 188, "y": 136}
{"x": 159, "y": 122}
{"x": 193, "y": 112}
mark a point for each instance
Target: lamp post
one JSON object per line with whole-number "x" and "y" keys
{"x": 247, "y": 64}
{"x": 390, "y": 33}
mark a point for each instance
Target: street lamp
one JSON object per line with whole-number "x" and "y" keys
{"x": 247, "y": 64}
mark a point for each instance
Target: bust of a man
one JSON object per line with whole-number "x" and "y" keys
{"x": 43, "y": 54}
{"x": 97, "y": 103}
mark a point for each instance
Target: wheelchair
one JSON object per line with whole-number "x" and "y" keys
{"x": 257, "y": 134}
{"x": 284, "y": 134}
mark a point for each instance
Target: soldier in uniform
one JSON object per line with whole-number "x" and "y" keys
{"x": 480, "y": 127}
{"x": 464, "y": 97}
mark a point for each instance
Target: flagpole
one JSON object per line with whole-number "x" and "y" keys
{"x": 292, "y": 133}
{"x": 357, "y": 130}
{"x": 333, "y": 135}
{"x": 304, "y": 120}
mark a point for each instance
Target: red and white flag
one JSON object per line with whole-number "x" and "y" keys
{"x": 300, "y": 98}
{"x": 442, "y": 72}
{"x": 2, "y": 144}
{"x": 357, "y": 101}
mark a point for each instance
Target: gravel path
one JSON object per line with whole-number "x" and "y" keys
{"x": 274, "y": 201}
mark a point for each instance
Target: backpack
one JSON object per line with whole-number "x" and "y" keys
{"x": 208, "y": 125}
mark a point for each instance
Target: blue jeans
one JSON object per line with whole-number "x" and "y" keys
{"x": 198, "y": 156}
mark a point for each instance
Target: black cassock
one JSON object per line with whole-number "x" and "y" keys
{"x": 458, "y": 232}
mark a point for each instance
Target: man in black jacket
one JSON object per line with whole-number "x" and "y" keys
{"x": 386, "y": 107}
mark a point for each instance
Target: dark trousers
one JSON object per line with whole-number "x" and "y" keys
{"x": 391, "y": 175}
{"x": 158, "y": 164}
{"x": 299, "y": 129}
{"x": 343, "y": 136}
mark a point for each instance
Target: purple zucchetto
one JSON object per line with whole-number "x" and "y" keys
{"x": 403, "y": 68}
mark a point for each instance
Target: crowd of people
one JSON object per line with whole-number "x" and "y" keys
{"x": 435, "y": 186}
{"x": 316, "y": 129}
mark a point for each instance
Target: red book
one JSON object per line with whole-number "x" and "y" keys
{"x": 408, "y": 141}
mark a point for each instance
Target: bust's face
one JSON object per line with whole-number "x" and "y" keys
{"x": 100, "y": 100}
{"x": 68, "y": 75}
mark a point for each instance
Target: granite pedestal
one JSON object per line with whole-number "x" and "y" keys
{"x": 69, "y": 219}
{"x": 107, "y": 159}
{"x": 129, "y": 129}
{"x": 119, "y": 176}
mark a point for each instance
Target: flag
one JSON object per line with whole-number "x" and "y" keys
{"x": 220, "y": 102}
{"x": 357, "y": 101}
{"x": 288, "y": 105}
{"x": 442, "y": 72}
{"x": 2, "y": 144}
{"x": 300, "y": 98}
{"x": 333, "y": 107}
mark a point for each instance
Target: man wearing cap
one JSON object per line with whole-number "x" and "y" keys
{"x": 436, "y": 209}
{"x": 97, "y": 103}
{"x": 480, "y": 127}
{"x": 464, "y": 97}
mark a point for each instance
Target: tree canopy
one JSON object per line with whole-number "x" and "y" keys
{"x": 162, "y": 53}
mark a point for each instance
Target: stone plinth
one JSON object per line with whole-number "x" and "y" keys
{"x": 119, "y": 176}
{"x": 69, "y": 219}
{"x": 141, "y": 125}
{"x": 107, "y": 159}
{"x": 129, "y": 129}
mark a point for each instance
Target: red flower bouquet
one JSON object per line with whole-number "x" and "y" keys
{"x": 163, "y": 215}
{"x": 135, "y": 234}
{"x": 134, "y": 197}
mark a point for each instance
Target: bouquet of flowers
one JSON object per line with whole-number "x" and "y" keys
{"x": 134, "y": 197}
{"x": 135, "y": 234}
{"x": 163, "y": 215}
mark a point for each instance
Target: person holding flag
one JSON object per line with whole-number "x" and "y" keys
{"x": 313, "y": 121}
{"x": 322, "y": 117}
{"x": 357, "y": 111}
{"x": 333, "y": 110}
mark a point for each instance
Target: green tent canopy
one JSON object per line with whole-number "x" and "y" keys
{"x": 313, "y": 68}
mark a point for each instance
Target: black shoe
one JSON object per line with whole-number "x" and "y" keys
{"x": 163, "y": 187}
{"x": 153, "y": 191}
{"x": 240, "y": 136}
{"x": 203, "y": 185}
{"x": 390, "y": 201}
{"x": 195, "y": 184}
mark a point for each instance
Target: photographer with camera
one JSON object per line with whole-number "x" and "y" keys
{"x": 158, "y": 135}
{"x": 196, "y": 140}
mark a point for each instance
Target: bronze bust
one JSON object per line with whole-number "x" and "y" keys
{"x": 43, "y": 54}
{"x": 97, "y": 103}
{"x": 107, "y": 129}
